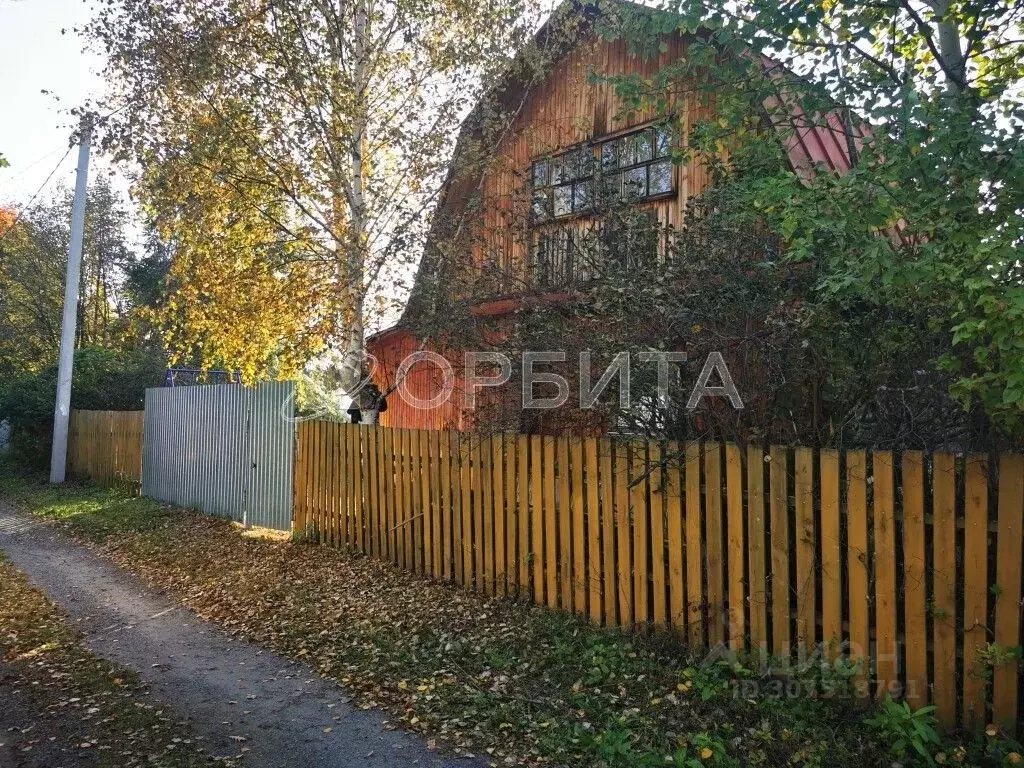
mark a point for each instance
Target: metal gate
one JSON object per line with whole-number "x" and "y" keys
{"x": 223, "y": 449}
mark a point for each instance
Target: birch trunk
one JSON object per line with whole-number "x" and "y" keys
{"x": 353, "y": 369}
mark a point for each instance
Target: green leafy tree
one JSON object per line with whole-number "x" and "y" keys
{"x": 802, "y": 368}
{"x": 31, "y": 292}
{"x": 105, "y": 379}
{"x": 926, "y": 98}
{"x": 33, "y": 263}
{"x": 144, "y": 292}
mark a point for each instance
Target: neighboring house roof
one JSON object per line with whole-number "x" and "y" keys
{"x": 810, "y": 145}
{"x": 813, "y": 145}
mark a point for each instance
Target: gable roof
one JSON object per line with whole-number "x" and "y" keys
{"x": 556, "y": 37}
{"x": 809, "y": 144}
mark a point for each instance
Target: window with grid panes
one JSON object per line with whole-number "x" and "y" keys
{"x": 559, "y": 257}
{"x": 633, "y": 167}
{"x": 564, "y": 184}
{"x": 637, "y": 166}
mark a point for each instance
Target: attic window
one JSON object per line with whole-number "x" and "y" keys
{"x": 633, "y": 167}
{"x": 563, "y": 184}
{"x": 637, "y": 166}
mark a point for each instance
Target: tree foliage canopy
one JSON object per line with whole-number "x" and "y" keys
{"x": 292, "y": 151}
{"x": 33, "y": 263}
{"x": 117, "y": 354}
{"x": 929, "y": 220}
{"x": 105, "y": 380}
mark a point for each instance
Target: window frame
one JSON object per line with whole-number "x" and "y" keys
{"x": 582, "y": 176}
{"x": 660, "y": 154}
{"x": 660, "y": 143}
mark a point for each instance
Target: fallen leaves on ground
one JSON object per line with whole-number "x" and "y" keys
{"x": 494, "y": 677}
{"x": 62, "y": 705}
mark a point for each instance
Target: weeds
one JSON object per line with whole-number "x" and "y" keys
{"x": 908, "y": 732}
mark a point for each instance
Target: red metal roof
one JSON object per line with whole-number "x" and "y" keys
{"x": 814, "y": 141}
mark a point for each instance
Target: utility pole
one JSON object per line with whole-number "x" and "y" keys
{"x": 62, "y": 409}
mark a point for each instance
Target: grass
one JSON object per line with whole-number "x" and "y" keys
{"x": 519, "y": 683}
{"x": 63, "y": 705}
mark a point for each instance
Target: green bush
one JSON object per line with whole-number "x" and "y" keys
{"x": 104, "y": 379}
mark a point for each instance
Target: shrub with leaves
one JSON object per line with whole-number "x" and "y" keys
{"x": 104, "y": 379}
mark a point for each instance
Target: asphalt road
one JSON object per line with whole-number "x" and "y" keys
{"x": 232, "y": 693}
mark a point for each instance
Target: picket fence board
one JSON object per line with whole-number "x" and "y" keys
{"x": 106, "y": 446}
{"x": 886, "y": 558}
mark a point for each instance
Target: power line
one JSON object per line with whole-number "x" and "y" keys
{"x": 18, "y": 216}
{"x": 18, "y": 175}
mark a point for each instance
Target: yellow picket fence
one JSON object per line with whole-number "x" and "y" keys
{"x": 106, "y": 446}
{"x": 911, "y": 563}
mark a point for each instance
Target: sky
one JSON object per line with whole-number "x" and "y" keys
{"x": 34, "y": 127}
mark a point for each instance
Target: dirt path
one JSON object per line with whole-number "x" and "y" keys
{"x": 239, "y": 697}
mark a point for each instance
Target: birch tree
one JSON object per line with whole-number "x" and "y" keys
{"x": 291, "y": 152}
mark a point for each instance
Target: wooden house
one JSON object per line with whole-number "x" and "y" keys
{"x": 536, "y": 166}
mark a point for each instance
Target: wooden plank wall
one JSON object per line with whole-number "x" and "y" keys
{"x": 571, "y": 106}
{"x": 909, "y": 563}
{"x": 106, "y": 446}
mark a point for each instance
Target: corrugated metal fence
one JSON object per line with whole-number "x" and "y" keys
{"x": 223, "y": 449}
